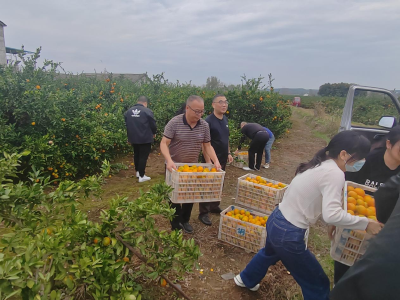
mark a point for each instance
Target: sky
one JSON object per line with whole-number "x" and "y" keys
{"x": 304, "y": 44}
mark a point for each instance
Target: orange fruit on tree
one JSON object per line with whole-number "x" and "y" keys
{"x": 350, "y": 212}
{"x": 126, "y": 259}
{"x": 163, "y": 282}
{"x": 360, "y": 192}
{"x": 351, "y": 200}
{"x": 352, "y": 194}
{"x": 370, "y": 201}
{"x": 106, "y": 241}
{"x": 351, "y": 206}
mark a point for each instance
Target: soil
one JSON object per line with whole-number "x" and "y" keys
{"x": 219, "y": 257}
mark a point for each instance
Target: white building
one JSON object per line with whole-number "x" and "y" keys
{"x": 3, "y": 58}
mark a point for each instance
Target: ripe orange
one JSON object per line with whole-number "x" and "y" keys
{"x": 351, "y": 200}
{"x": 200, "y": 169}
{"x": 361, "y": 210}
{"x": 352, "y": 194}
{"x": 126, "y": 259}
{"x": 163, "y": 282}
{"x": 236, "y": 211}
{"x": 96, "y": 240}
{"x": 371, "y": 211}
{"x": 351, "y": 206}
{"x": 360, "y": 192}
{"x": 242, "y": 212}
{"x": 350, "y": 188}
{"x": 350, "y": 212}
{"x": 370, "y": 201}
{"x": 360, "y": 202}
{"x": 213, "y": 170}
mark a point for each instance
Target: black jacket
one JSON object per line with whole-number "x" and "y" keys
{"x": 376, "y": 275}
{"x": 140, "y": 124}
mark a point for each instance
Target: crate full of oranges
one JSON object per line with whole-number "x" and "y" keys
{"x": 243, "y": 228}
{"x": 259, "y": 193}
{"x": 194, "y": 183}
{"x": 240, "y": 160}
{"x": 349, "y": 245}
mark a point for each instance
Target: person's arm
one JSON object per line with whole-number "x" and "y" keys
{"x": 386, "y": 198}
{"x": 164, "y": 147}
{"x": 205, "y": 154}
{"x": 240, "y": 143}
{"x": 210, "y": 152}
{"x": 230, "y": 158}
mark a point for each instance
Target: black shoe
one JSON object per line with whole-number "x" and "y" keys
{"x": 205, "y": 219}
{"x": 177, "y": 227}
{"x": 216, "y": 210}
{"x": 187, "y": 228}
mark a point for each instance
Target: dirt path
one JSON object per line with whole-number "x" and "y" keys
{"x": 298, "y": 146}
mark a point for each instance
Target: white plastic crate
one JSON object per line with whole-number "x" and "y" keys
{"x": 257, "y": 196}
{"x": 193, "y": 187}
{"x": 241, "y": 160}
{"x": 242, "y": 234}
{"x": 349, "y": 245}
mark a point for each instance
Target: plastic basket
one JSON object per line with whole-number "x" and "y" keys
{"x": 241, "y": 160}
{"x": 245, "y": 235}
{"x": 349, "y": 245}
{"x": 258, "y": 197}
{"x": 193, "y": 187}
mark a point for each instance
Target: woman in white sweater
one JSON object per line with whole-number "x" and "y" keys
{"x": 316, "y": 190}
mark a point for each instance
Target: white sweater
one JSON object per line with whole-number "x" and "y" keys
{"x": 319, "y": 191}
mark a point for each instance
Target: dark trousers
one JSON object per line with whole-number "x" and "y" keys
{"x": 182, "y": 214}
{"x": 206, "y": 207}
{"x": 257, "y": 146}
{"x": 140, "y": 154}
{"x": 339, "y": 270}
{"x": 285, "y": 242}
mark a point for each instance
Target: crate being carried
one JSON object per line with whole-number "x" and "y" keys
{"x": 259, "y": 193}
{"x": 349, "y": 245}
{"x": 194, "y": 183}
{"x": 236, "y": 227}
{"x": 241, "y": 159}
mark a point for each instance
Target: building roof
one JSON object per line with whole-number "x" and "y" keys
{"x": 2, "y": 24}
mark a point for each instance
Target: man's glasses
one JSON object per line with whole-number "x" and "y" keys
{"x": 220, "y": 102}
{"x": 197, "y": 112}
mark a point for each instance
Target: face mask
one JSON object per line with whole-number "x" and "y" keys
{"x": 356, "y": 166}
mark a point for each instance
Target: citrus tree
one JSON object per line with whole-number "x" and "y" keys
{"x": 53, "y": 251}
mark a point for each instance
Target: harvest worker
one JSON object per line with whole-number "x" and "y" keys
{"x": 315, "y": 190}
{"x": 380, "y": 165}
{"x": 259, "y": 138}
{"x": 141, "y": 128}
{"x": 184, "y": 137}
{"x": 219, "y": 132}
{"x": 376, "y": 275}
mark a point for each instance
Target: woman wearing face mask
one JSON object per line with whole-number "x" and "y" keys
{"x": 380, "y": 165}
{"x": 315, "y": 190}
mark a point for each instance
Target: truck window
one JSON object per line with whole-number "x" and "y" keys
{"x": 369, "y": 107}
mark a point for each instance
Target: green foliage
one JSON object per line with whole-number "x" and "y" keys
{"x": 70, "y": 124}
{"x": 334, "y": 89}
{"x": 55, "y": 252}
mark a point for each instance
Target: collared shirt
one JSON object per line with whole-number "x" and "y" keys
{"x": 186, "y": 141}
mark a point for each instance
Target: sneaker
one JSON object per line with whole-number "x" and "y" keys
{"x": 205, "y": 219}
{"x": 246, "y": 168}
{"x": 137, "y": 174}
{"x": 216, "y": 210}
{"x": 239, "y": 282}
{"x": 266, "y": 166}
{"x": 187, "y": 228}
{"x": 144, "y": 178}
{"x": 178, "y": 227}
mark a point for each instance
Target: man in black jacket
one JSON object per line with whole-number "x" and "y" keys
{"x": 141, "y": 129}
{"x": 376, "y": 275}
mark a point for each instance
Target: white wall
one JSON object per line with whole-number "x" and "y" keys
{"x": 3, "y": 59}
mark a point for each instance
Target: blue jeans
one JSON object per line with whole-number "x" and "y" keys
{"x": 285, "y": 242}
{"x": 268, "y": 147}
